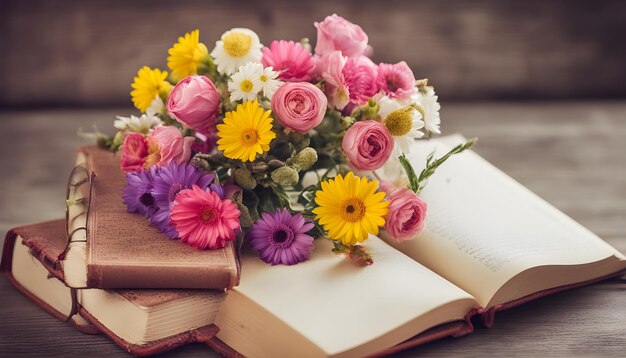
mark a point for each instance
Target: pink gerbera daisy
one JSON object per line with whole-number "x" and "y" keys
{"x": 291, "y": 60}
{"x": 396, "y": 80}
{"x": 203, "y": 220}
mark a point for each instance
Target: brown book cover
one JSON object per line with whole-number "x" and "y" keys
{"x": 123, "y": 251}
{"x": 44, "y": 240}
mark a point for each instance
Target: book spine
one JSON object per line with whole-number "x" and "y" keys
{"x": 135, "y": 276}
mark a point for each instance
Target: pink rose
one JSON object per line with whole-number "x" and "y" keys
{"x": 367, "y": 145}
{"x": 406, "y": 216}
{"x": 299, "y": 106}
{"x": 134, "y": 152}
{"x": 360, "y": 74}
{"x": 329, "y": 68}
{"x": 338, "y": 34}
{"x": 293, "y": 62}
{"x": 397, "y": 81}
{"x": 166, "y": 145}
{"x": 194, "y": 102}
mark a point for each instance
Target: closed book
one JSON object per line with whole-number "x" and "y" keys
{"x": 141, "y": 321}
{"x": 112, "y": 248}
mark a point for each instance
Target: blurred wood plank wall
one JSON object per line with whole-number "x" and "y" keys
{"x": 86, "y": 52}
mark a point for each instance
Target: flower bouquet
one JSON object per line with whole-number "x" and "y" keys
{"x": 278, "y": 145}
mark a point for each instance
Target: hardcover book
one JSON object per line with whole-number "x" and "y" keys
{"x": 142, "y": 322}
{"x": 111, "y": 248}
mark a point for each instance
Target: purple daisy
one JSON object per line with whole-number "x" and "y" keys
{"x": 137, "y": 193}
{"x": 281, "y": 238}
{"x": 168, "y": 182}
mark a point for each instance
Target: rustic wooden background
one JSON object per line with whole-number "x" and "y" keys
{"x": 68, "y": 52}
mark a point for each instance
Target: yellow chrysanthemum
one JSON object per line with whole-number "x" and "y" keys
{"x": 349, "y": 208}
{"x": 185, "y": 55}
{"x": 245, "y": 132}
{"x": 147, "y": 85}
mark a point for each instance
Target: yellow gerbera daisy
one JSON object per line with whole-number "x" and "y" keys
{"x": 350, "y": 208}
{"x": 185, "y": 55}
{"x": 147, "y": 85}
{"x": 246, "y": 132}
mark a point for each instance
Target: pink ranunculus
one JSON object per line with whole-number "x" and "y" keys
{"x": 397, "y": 81}
{"x": 134, "y": 152}
{"x": 361, "y": 75}
{"x": 367, "y": 145}
{"x": 166, "y": 145}
{"x": 406, "y": 216}
{"x": 299, "y": 106}
{"x": 293, "y": 62}
{"x": 194, "y": 102}
{"x": 329, "y": 68}
{"x": 338, "y": 34}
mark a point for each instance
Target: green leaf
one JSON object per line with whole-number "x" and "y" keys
{"x": 410, "y": 173}
{"x": 432, "y": 165}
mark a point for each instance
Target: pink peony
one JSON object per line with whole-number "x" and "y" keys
{"x": 338, "y": 34}
{"x": 329, "y": 68}
{"x": 360, "y": 74}
{"x": 204, "y": 220}
{"x": 299, "y": 106}
{"x": 397, "y": 81}
{"x": 134, "y": 152}
{"x": 194, "y": 102}
{"x": 367, "y": 145}
{"x": 406, "y": 216}
{"x": 293, "y": 62}
{"x": 167, "y": 145}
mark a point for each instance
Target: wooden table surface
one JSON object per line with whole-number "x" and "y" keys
{"x": 571, "y": 153}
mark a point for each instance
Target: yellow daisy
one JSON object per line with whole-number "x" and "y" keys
{"x": 246, "y": 132}
{"x": 185, "y": 55}
{"x": 147, "y": 85}
{"x": 349, "y": 208}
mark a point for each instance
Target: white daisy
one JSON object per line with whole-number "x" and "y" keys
{"x": 403, "y": 122}
{"x": 430, "y": 106}
{"x": 245, "y": 84}
{"x": 237, "y": 47}
{"x": 142, "y": 124}
{"x": 269, "y": 83}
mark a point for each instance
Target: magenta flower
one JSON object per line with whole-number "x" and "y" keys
{"x": 167, "y": 183}
{"x": 281, "y": 238}
{"x": 137, "y": 193}
{"x": 397, "y": 81}
{"x": 293, "y": 62}
{"x": 204, "y": 220}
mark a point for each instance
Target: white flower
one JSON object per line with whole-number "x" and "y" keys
{"x": 157, "y": 107}
{"x": 269, "y": 83}
{"x": 142, "y": 124}
{"x": 246, "y": 83}
{"x": 237, "y": 47}
{"x": 430, "y": 107}
{"x": 403, "y": 122}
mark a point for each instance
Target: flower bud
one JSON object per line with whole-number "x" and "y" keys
{"x": 305, "y": 159}
{"x": 370, "y": 109}
{"x": 244, "y": 179}
{"x": 285, "y": 176}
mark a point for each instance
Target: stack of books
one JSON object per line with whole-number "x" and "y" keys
{"x": 489, "y": 244}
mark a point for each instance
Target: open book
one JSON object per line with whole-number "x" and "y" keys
{"x": 142, "y": 322}
{"x": 488, "y": 244}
